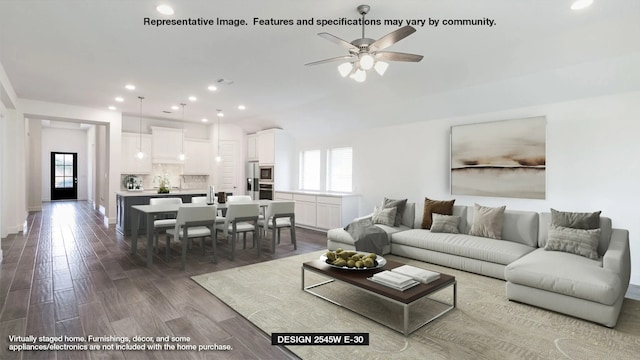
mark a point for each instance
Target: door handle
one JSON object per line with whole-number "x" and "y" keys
{"x": 75, "y": 180}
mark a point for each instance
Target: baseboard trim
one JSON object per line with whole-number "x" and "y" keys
{"x": 35, "y": 208}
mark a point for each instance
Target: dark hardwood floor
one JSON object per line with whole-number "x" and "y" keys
{"x": 71, "y": 275}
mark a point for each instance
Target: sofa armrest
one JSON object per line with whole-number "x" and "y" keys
{"x": 618, "y": 258}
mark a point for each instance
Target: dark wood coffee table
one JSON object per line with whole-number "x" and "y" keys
{"x": 406, "y": 299}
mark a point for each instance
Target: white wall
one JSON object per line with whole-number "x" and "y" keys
{"x": 191, "y": 130}
{"x": 75, "y": 141}
{"x": 592, "y": 160}
{"x": 13, "y": 145}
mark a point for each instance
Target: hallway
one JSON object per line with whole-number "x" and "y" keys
{"x": 71, "y": 275}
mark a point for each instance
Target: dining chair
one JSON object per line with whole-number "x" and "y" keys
{"x": 238, "y": 220}
{"x": 165, "y": 222}
{"x": 238, "y": 198}
{"x": 192, "y": 222}
{"x": 279, "y": 215}
{"x": 199, "y": 200}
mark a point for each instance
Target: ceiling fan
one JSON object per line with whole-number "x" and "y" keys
{"x": 365, "y": 53}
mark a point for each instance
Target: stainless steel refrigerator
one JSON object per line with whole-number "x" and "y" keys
{"x": 253, "y": 175}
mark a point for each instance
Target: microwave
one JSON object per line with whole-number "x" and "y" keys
{"x": 266, "y": 173}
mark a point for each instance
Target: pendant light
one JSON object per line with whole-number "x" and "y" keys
{"x": 181, "y": 157}
{"x": 140, "y": 154}
{"x": 220, "y": 114}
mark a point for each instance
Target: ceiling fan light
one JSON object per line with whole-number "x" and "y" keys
{"x": 381, "y": 67}
{"x": 366, "y": 61}
{"x": 345, "y": 69}
{"x": 359, "y": 76}
{"x": 581, "y": 4}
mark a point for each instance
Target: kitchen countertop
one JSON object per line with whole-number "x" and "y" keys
{"x": 155, "y": 192}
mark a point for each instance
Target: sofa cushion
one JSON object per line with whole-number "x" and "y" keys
{"x": 566, "y": 274}
{"x": 384, "y": 216}
{"x": 409, "y": 216}
{"x": 583, "y": 242}
{"x": 342, "y": 236}
{"x": 437, "y": 207}
{"x": 605, "y": 232}
{"x": 445, "y": 224}
{"x": 491, "y": 250}
{"x": 518, "y": 226}
{"x": 575, "y": 220}
{"x": 399, "y": 204}
{"x": 487, "y": 221}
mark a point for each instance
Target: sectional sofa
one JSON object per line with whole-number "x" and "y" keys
{"x": 589, "y": 288}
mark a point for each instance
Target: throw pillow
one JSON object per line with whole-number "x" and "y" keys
{"x": 583, "y": 242}
{"x": 576, "y": 220}
{"x": 487, "y": 221}
{"x": 445, "y": 224}
{"x": 385, "y": 216}
{"x": 435, "y": 206}
{"x": 399, "y": 204}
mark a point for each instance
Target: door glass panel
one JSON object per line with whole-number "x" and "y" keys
{"x": 68, "y": 159}
{"x": 59, "y": 159}
{"x": 68, "y": 171}
{"x": 59, "y": 182}
{"x": 68, "y": 182}
{"x": 59, "y": 170}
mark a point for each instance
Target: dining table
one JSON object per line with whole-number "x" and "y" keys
{"x": 152, "y": 211}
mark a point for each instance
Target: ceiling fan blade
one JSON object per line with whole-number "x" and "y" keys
{"x": 336, "y": 40}
{"x": 339, "y": 58}
{"x": 392, "y": 38}
{"x": 397, "y": 56}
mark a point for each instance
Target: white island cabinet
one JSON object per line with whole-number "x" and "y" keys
{"x": 322, "y": 210}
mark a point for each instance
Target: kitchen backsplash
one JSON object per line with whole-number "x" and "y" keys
{"x": 172, "y": 173}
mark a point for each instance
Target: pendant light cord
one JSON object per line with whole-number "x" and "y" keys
{"x": 183, "y": 105}
{"x": 140, "y": 125}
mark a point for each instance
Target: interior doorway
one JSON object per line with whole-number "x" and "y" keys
{"x": 64, "y": 176}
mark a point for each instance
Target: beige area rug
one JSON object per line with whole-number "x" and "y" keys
{"x": 485, "y": 325}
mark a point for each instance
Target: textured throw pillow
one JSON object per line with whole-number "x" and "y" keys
{"x": 385, "y": 216}
{"x": 399, "y": 204}
{"x": 576, "y": 220}
{"x": 583, "y": 242}
{"x": 445, "y": 224}
{"x": 435, "y": 206}
{"x": 487, "y": 221}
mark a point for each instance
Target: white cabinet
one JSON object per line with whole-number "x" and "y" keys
{"x": 129, "y": 162}
{"x": 167, "y": 145}
{"x": 252, "y": 147}
{"x": 266, "y": 147}
{"x": 329, "y": 212}
{"x": 322, "y": 211}
{"x": 277, "y": 149}
{"x": 197, "y": 157}
{"x": 305, "y": 209}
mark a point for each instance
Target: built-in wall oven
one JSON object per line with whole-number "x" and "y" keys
{"x": 266, "y": 191}
{"x": 266, "y": 174}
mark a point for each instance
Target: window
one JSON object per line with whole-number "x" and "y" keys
{"x": 310, "y": 170}
{"x": 339, "y": 169}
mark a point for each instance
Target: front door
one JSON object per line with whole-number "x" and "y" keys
{"x": 64, "y": 176}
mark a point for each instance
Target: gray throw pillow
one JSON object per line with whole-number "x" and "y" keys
{"x": 399, "y": 204}
{"x": 487, "y": 221}
{"x": 575, "y": 220}
{"x": 444, "y": 223}
{"x": 384, "y": 216}
{"x": 583, "y": 242}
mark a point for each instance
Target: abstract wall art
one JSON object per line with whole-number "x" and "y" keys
{"x": 501, "y": 158}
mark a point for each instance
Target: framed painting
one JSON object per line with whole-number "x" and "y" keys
{"x": 501, "y": 158}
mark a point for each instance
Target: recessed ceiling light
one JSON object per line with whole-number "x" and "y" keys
{"x": 175, "y": 107}
{"x": 192, "y": 98}
{"x": 241, "y": 107}
{"x": 112, "y": 107}
{"x": 205, "y": 120}
{"x": 119, "y": 99}
{"x": 130, "y": 87}
{"x": 212, "y": 88}
{"x": 164, "y": 9}
{"x": 581, "y": 4}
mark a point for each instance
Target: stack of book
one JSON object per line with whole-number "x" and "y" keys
{"x": 393, "y": 280}
{"x": 417, "y": 274}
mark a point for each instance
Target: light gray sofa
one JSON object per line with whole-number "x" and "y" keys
{"x": 571, "y": 284}
{"x": 554, "y": 280}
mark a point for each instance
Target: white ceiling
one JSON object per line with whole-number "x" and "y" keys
{"x": 83, "y": 53}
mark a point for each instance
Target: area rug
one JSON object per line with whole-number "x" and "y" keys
{"x": 485, "y": 325}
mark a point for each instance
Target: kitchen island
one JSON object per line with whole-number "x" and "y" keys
{"x": 126, "y": 199}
